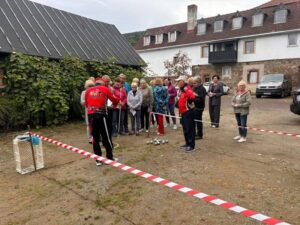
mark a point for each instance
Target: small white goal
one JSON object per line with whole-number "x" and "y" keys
{"x": 29, "y": 157}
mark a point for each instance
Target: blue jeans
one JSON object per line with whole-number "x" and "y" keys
{"x": 135, "y": 121}
{"x": 242, "y": 123}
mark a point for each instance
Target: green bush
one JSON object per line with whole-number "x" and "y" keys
{"x": 8, "y": 115}
{"x": 42, "y": 92}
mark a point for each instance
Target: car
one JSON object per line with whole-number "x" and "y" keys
{"x": 226, "y": 89}
{"x": 274, "y": 85}
{"x": 295, "y": 106}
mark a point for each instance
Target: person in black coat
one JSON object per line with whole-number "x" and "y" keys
{"x": 215, "y": 92}
{"x": 200, "y": 92}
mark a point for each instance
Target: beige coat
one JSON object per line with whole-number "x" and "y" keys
{"x": 244, "y": 101}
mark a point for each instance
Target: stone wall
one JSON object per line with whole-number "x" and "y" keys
{"x": 240, "y": 71}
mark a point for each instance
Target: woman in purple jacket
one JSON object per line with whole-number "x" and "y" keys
{"x": 172, "y": 93}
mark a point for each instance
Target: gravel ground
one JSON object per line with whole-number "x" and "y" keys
{"x": 262, "y": 174}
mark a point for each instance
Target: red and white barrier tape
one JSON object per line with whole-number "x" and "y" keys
{"x": 274, "y": 132}
{"x": 191, "y": 192}
{"x": 249, "y": 128}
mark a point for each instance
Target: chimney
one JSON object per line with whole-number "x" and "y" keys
{"x": 192, "y": 17}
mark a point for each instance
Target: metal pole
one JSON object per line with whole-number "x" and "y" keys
{"x": 120, "y": 111}
{"x": 149, "y": 127}
{"x": 32, "y": 150}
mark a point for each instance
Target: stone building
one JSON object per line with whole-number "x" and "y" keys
{"x": 241, "y": 45}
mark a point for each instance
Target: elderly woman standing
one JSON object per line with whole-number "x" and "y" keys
{"x": 88, "y": 84}
{"x": 241, "y": 102}
{"x": 118, "y": 119}
{"x": 134, "y": 102}
{"x": 146, "y": 104}
{"x": 215, "y": 91}
{"x": 161, "y": 99}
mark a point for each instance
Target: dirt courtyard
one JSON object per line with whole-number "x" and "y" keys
{"x": 262, "y": 174}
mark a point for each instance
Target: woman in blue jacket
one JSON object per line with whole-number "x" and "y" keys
{"x": 160, "y": 102}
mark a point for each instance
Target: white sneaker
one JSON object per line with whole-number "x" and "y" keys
{"x": 166, "y": 125}
{"x": 98, "y": 163}
{"x": 174, "y": 127}
{"x": 237, "y": 137}
{"x": 152, "y": 126}
{"x": 242, "y": 139}
{"x": 147, "y": 131}
{"x": 213, "y": 126}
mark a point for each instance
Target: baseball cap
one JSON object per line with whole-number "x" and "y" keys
{"x": 182, "y": 77}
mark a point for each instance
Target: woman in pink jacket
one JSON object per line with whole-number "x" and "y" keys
{"x": 118, "y": 120}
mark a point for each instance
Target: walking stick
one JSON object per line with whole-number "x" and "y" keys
{"x": 32, "y": 150}
{"x": 120, "y": 109}
{"x": 149, "y": 127}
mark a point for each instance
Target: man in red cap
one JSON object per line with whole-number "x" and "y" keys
{"x": 96, "y": 103}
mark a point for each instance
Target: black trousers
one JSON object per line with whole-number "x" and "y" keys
{"x": 214, "y": 113}
{"x": 144, "y": 117}
{"x": 99, "y": 127}
{"x": 109, "y": 122}
{"x": 198, "y": 125}
{"x": 126, "y": 119}
{"x": 188, "y": 125}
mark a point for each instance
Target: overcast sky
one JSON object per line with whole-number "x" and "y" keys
{"x": 138, "y": 15}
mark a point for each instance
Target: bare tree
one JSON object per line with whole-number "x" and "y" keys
{"x": 180, "y": 65}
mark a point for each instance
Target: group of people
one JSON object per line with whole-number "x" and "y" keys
{"x": 107, "y": 105}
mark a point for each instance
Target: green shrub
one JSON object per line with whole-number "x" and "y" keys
{"x": 42, "y": 92}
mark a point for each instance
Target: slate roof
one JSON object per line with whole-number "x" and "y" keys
{"x": 39, "y": 30}
{"x": 184, "y": 37}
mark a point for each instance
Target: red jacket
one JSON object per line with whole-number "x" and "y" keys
{"x": 96, "y": 99}
{"x": 120, "y": 93}
{"x": 186, "y": 94}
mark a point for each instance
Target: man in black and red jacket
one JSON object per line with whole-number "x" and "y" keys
{"x": 96, "y": 103}
{"x": 186, "y": 105}
{"x": 200, "y": 92}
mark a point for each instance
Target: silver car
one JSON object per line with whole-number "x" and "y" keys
{"x": 226, "y": 89}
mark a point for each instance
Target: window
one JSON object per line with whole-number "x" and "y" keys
{"x": 172, "y": 36}
{"x": 257, "y": 20}
{"x": 201, "y": 28}
{"x": 252, "y": 77}
{"x": 147, "y": 40}
{"x": 218, "y": 26}
{"x": 237, "y": 23}
{"x": 280, "y": 16}
{"x": 219, "y": 47}
{"x": 226, "y": 72}
{"x": 249, "y": 47}
{"x": 204, "y": 51}
{"x": 158, "y": 38}
{"x": 292, "y": 39}
{"x": 175, "y": 59}
{"x": 206, "y": 78}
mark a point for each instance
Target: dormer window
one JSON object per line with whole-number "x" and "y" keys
{"x": 147, "y": 40}
{"x": 280, "y": 16}
{"x": 201, "y": 29}
{"x": 159, "y": 38}
{"x": 257, "y": 20}
{"x": 218, "y": 26}
{"x": 237, "y": 23}
{"x": 172, "y": 36}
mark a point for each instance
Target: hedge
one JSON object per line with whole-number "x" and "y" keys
{"x": 44, "y": 92}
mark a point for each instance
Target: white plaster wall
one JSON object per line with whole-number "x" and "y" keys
{"x": 156, "y": 58}
{"x": 269, "y": 48}
{"x": 266, "y": 48}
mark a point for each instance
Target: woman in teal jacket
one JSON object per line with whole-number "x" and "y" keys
{"x": 160, "y": 102}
